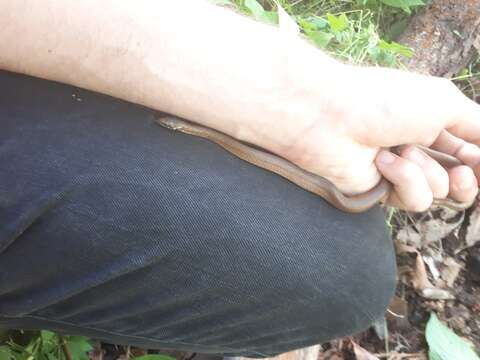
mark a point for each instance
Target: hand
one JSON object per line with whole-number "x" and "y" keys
{"x": 256, "y": 84}
{"x": 348, "y": 140}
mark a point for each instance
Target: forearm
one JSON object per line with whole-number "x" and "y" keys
{"x": 189, "y": 58}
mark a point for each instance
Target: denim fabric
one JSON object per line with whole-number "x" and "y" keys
{"x": 116, "y": 228}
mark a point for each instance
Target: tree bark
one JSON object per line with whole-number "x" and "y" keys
{"x": 445, "y": 37}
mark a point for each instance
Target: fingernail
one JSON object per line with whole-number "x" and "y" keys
{"x": 385, "y": 157}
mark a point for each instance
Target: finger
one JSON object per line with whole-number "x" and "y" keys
{"x": 435, "y": 174}
{"x": 411, "y": 189}
{"x": 463, "y": 184}
{"x": 467, "y": 152}
{"x": 465, "y": 122}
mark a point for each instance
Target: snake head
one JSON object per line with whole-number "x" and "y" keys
{"x": 170, "y": 122}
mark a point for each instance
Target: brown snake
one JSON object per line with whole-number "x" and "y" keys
{"x": 306, "y": 180}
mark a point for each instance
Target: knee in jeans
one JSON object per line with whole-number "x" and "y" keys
{"x": 344, "y": 278}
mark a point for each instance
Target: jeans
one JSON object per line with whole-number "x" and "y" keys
{"x": 115, "y": 228}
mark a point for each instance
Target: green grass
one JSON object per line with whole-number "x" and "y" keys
{"x": 43, "y": 345}
{"x": 468, "y": 80}
{"x": 357, "y": 32}
{"x": 46, "y": 345}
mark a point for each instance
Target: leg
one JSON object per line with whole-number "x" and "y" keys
{"x": 115, "y": 228}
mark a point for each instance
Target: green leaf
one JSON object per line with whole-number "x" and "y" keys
{"x": 79, "y": 347}
{"x": 22, "y": 357}
{"x": 397, "y": 28}
{"x": 33, "y": 345}
{"x": 444, "y": 344}
{"x": 46, "y": 335}
{"x": 5, "y": 353}
{"x": 312, "y": 24}
{"x": 396, "y": 48}
{"x": 16, "y": 347}
{"x": 307, "y": 25}
{"x": 271, "y": 17}
{"x": 403, "y": 4}
{"x": 320, "y": 23}
{"x": 51, "y": 356}
{"x": 154, "y": 357}
{"x": 320, "y": 38}
{"x": 337, "y": 23}
{"x": 50, "y": 341}
{"x": 255, "y": 8}
{"x": 41, "y": 356}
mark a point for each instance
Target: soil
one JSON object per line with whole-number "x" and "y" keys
{"x": 406, "y": 335}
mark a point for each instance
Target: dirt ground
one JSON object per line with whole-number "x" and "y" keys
{"x": 438, "y": 256}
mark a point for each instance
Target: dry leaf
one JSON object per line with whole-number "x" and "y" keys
{"x": 332, "y": 354}
{"x": 97, "y": 352}
{"x": 435, "y": 230}
{"x": 420, "y": 280}
{"x": 403, "y": 248}
{"x": 473, "y": 230}
{"x": 450, "y": 271}
{"x": 408, "y": 235}
{"x": 430, "y": 230}
{"x": 361, "y": 353}
{"x": 432, "y": 267}
{"x": 436, "y": 294}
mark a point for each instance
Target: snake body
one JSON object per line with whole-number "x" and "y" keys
{"x": 306, "y": 180}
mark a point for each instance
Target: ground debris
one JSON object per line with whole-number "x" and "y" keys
{"x": 437, "y": 272}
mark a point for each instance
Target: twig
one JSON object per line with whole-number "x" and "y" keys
{"x": 399, "y": 356}
{"x": 65, "y": 349}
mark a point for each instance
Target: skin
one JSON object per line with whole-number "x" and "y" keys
{"x": 257, "y": 84}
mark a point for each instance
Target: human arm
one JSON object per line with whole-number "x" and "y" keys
{"x": 248, "y": 80}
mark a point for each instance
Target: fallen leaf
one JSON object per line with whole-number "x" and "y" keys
{"x": 420, "y": 278}
{"x": 331, "y": 354}
{"x": 472, "y": 235}
{"x": 430, "y": 230}
{"x": 361, "y": 353}
{"x": 403, "y": 248}
{"x": 433, "y": 293}
{"x": 432, "y": 267}
{"x": 408, "y": 235}
{"x": 450, "y": 271}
